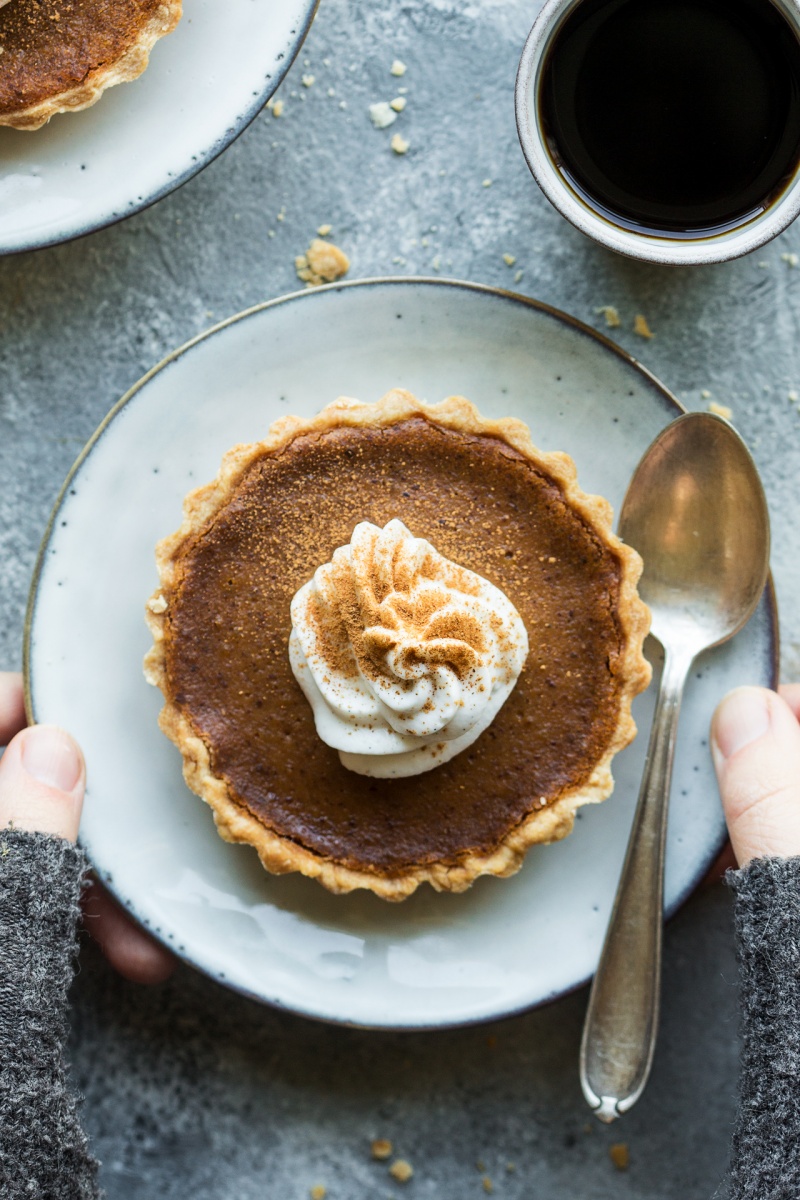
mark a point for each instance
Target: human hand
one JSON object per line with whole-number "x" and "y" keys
{"x": 755, "y": 743}
{"x": 42, "y": 781}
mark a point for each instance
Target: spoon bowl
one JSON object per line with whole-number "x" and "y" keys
{"x": 696, "y": 512}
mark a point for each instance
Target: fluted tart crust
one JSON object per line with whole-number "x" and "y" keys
{"x": 60, "y": 56}
{"x": 485, "y": 497}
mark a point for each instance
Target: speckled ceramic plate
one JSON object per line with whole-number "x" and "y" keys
{"x": 434, "y": 960}
{"x": 206, "y": 81}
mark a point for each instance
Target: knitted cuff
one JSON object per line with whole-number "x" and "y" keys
{"x": 766, "y": 1164}
{"x": 43, "y": 1151}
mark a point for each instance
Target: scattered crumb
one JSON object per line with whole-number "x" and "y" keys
{"x": 436, "y": 263}
{"x": 281, "y": 216}
{"x": 398, "y": 104}
{"x": 397, "y": 67}
{"x": 705, "y": 394}
{"x": 721, "y": 410}
{"x": 322, "y": 263}
{"x": 487, "y": 183}
{"x": 399, "y": 144}
{"x": 270, "y": 233}
{"x": 318, "y": 1192}
{"x": 511, "y": 1167}
{"x": 764, "y": 263}
{"x": 401, "y": 1170}
{"x": 308, "y": 81}
{"x": 517, "y": 276}
{"x": 793, "y": 397}
{"x": 487, "y": 1184}
{"x": 791, "y": 260}
{"x": 619, "y": 1155}
{"x": 480, "y": 1165}
{"x": 342, "y": 104}
{"x": 158, "y": 604}
{"x": 381, "y": 1148}
{"x": 509, "y": 260}
{"x": 271, "y": 102}
{"x": 382, "y": 115}
{"x": 398, "y": 260}
{"x": 331, "y": 91}
{"x": 641, "y": 327}
{"x": 277, "y": 108}
{"x": 611, "y": 315}
{"x": 324, "y": 230}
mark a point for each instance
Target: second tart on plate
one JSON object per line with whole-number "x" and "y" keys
{"x": 60, "y": 56}
{"x": 485, "y": 500}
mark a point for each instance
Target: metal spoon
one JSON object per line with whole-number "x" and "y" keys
{"x": 696, "y": 512}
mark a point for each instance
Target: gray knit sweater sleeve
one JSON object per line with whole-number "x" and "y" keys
{"x": 43, "y": 1150}
{"x": 766, "y": 1144}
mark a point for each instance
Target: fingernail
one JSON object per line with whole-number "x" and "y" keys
{"x": 742, "y": 718}
{"x": 50, "y": 756}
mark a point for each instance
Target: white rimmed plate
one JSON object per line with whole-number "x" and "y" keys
{"x": 434, "y": 960}
{"x": 206, "y": 81}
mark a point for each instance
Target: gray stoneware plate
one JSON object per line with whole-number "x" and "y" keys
{"x": 434, "y": 960}
{"x": 206, "y": 81}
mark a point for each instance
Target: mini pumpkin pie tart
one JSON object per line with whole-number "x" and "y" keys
{"x": 397, "y": 643}
{"x": 61, "y": 55}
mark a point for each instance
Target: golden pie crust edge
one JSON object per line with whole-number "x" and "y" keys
{"x": 281, "y": 855}
{"x": 130, "y": 65}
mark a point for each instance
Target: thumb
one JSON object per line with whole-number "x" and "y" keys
{"x": 755, "y": 743}
{"x": 42, "y": 780}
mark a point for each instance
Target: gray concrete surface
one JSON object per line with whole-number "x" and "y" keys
{"x": 191, "y": 1091}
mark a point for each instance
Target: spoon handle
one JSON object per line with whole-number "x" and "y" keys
{"x": 619, "y": 1033}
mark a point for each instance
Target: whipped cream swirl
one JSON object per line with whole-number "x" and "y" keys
{"x": 404, "y": 656}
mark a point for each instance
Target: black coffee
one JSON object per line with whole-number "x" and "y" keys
{"x": 680, "y": 117}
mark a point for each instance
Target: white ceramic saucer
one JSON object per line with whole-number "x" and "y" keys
{"x": 206, "y": 81}
{"x": 433, "y": 960}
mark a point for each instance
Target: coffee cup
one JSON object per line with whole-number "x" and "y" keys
{"x": 667, "y": 130}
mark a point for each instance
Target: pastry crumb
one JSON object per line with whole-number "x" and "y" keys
{"x": 318, "y": 1192}
{"x": 382, "y": 115}
{"x": 791, "y": 260}
{"x": 511, "y": 1167}
{"x": 705, "y": 394}
{"x": 399, "y": 144}
{"x": 517, "y": 276}
{"x": 620, "y": 1155}
{"x": 158, "y": 604}
{"x": 509, "y": 260}
{"x": 322, "y": 263}
{"x": 720, "y": 410}
{"x": 308, "y": 81}
{"x": 398, "y": 104}
{"x": 793, "y": 397}
{"x": 488, "y": 1186}
{"x": 324, "y": 230}
{"x": 381, "y": 1148}
{"x": 487, "y": 183}
{"x": 277, "y": 108}
{"x": 398, "y": 67}
{"x": 641, "y": 327}
{"x": 611, "y": 315}
{"x": 401, "y": 1170}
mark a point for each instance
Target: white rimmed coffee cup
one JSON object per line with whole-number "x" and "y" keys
{"x": 650, "y": 247}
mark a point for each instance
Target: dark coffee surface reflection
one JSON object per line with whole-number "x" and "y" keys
{"x": 675, "y": 116}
